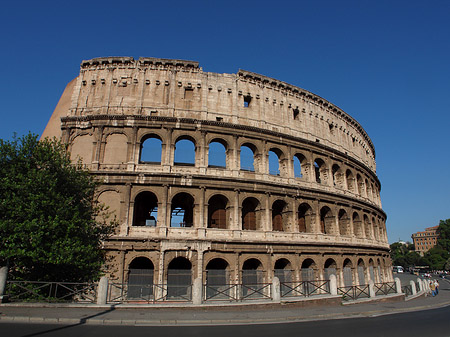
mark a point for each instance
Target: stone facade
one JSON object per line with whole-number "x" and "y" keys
{"x": 316, "y": 212}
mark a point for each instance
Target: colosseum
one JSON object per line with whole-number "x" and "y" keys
{"x": 231, "y": 179}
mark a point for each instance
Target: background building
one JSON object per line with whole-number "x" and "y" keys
{"x": 230, "y": 178}
{"x": 424, "y": 241}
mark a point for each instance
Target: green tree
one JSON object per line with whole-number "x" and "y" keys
{"x": 51, "y": 228}
{"x": 436, "y": 258}
{"x": 444, "y": 234}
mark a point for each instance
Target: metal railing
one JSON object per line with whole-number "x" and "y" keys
{"x": 223, "y": 292}
{"x": 354, "y": 292}
{"x": 153, "y": 293}
{"x": 305, "y": 288}
{"x": 255, "y": 291}
{"x": 34, "y": 291}
{"x": 385, "y": 288}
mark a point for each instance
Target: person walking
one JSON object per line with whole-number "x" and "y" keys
{"x": 436, "y": 285}
{"x": 433, "y": 288}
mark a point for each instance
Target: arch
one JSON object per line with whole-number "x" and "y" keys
{"x": 308, "y": 270}
{"x": 357, "y": 226}
{"x": 251, "y": 214}
{"x": 305, "y": 216}
{"x": 252, "y": 277}
{"x": 348, "y": 272}
{"x": 279, "y": 216}
{"x": 350, "y": 180}
{"x": 217, "y": 153}
{"x": 338, "y": 177}
{"x": 361, "y": 272}
{"x": 301, "y": 168}
{"x": 344, "y": 222}
{"x": 375, "y": 229}
{"x": 247, "y": 157}
{"x": 217, "y": 279}
{"x": 320, "y": 171}
{"x": 82, "y": 148}
{"x": 182, "y": 210}
{"x": 326, "y": 220}
{"x": 111, "y": 199}
{"x": 360, "y": 184}
{"x": 116, "y": 149}
{"x": 218, "y": 212}
{"x": 283, "y": 270}
{"x": 179, "y": 278}
{"x": 151, "y": 149}
{"x": 185, "y": 151}
{"x": 330, "y": 268}
{"x": 367, "y": 229}
{"x": 274, "y": 162}
{"x": 371, "y": 270}
{"x": 145, "y": 209}
{"x": 140, "y": 279}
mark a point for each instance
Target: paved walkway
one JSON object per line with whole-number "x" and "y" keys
{"x": 212, "y": 315}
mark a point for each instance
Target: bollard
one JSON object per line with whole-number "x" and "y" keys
{"x": 371, "y": 289}
{"x": 413, "y": 287}
{"x": 102, "y": 291}
{"x": 398, "y": 285}
{"x": 333, "y": 284}
{"x": 276, "y": 291}
{"x": 3, "y": 277}
{"x": 420, "y": 284}
{"x": 197, "y": 291}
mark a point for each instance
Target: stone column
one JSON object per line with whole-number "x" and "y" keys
{"x": 197, "y": 291}
{"x": 276, "y": 290}
{"x": 268, "y": 219}
{"x": 203, "y": 210}
{"x": 166, "y": 211}
{"x": 237, "y": 221}
{"x": 333, "y": 285}
{"x": 371, "y": 289}
{"x": 102, "y": 291}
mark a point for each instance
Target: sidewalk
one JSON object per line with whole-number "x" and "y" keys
{"x": 150, "y": 315}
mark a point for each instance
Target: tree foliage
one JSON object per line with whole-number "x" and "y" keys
{"x": 444, "y": 234}
{"x": 50, "y": 227}
{"x": 405, "y": 255}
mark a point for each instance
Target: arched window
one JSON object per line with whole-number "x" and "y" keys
{"x": 348, "y": 273}
{"x": 308, "y": 270}
{"x": 337, "y": 176}
{"x": 182, "y": 214}
{"x": 304, "y": 218}
{"x": 140, "y": 279}
{"x": 357, "y": 226}
{"x": 283, "y": 270}
{"x": 361, "y": 272}
{"x": 251, "y": 211}
{"x": 320, "y": 171}
{"x": 360, "y": 184}
{"x": 247, "y": 157}
{"x": 217, "y": 280}
{"x": 350, "y": 181}
{"x": 217, "y": 212}
{"x": 274, "y": 163}
{"x": 151, "y": 148}
{"x": 279, "y": 216}
{"x": 217, "y": 156}
{"x": 145, "y": 209}
{"x": 179, "y": 279}
{"x": 330, "y": 268}
{"x": 367, "y": 227}
{"x": 184, "y": 152}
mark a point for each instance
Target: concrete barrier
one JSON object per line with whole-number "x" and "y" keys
{"x": 276, "y": 290}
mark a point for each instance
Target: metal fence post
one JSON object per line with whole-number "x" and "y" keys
{"x": 197, "y": 291}
{"x": 398, "y": 285}
{"x": 102, "y": 290}
{"x": 276, "y": 291}
{"x": 3, "y": 277}
{"x": 333, "y": 284}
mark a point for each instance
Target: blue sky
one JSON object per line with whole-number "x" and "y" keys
{"x": 386, "y": 63}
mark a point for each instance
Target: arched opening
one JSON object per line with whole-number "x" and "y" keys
{"x": 360, "y": 184}
{"x": 217, "y": 212}
{"x": 217, "y": 156}
{"x": 252, "y": 278}
{"x": 182, "y": 213}
{"x": 361, "y": 272}
{"x": 279, "y": 216}
{"x": 337, "y": 176}
{"x": 348, "y": 273}
{"x": 326, "y": 220}
{"x": 330, "y": 268}
{"x": 145, "y": 209}
{"x": 179, "y": 279}
{"x": 320, "y": 171}
{"x": 344, "y": 223}
{"x": 372, "y": 271}
{"x": 247, "y": 157}
{"x": 283, "y": 270}
{"x": 308, "y": 276}
{"x": 151, "y": 149}
{"x": 367, "y": 229}
{"x": 251, "y": 213}
{"x": 304, "y": 218}
{"x": 274, "y": 163}
{"x": 184, "y": 152}
{"x": 140, "y": 279}
{"x": 375, "y": 229}
{"x": 217, "y": 279}
{"x": 350, "y": 181}
{"x": 300, "y": 166}
{"x": 357, "y": 226}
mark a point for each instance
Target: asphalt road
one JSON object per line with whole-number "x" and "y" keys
{"x": 433, "y": 323}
